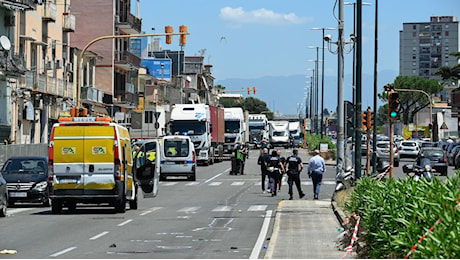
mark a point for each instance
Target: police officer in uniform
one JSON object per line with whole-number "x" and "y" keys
{"x": 294, "y": 166}
{"x": 275, "y": 168}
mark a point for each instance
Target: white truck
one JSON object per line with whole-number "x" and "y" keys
{"x": 235, "y": 128}
{"x": 279, "y": 133}
{"x": 196, "y": 121}
{"x": 258, "y": 129}
{"x": 295, "y": 133}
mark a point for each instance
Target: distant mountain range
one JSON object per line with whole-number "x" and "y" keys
{"x": 286, "y": 93}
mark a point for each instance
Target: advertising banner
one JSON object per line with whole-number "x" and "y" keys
{"x": 159, "y": 68}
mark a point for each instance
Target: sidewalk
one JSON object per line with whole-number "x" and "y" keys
{"x": 304, "y": 229}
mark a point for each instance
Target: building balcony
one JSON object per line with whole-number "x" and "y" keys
{"x": 128, "y": 23}
{"x": 127, "y": 60}
{"x": 23, "y": 5}
{"x": 91, "y": 95}
{"x": 49, "y": 12}
{"x": 69, "y": 22}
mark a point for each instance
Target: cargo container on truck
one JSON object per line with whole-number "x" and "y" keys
{"x": 195, "y": 120}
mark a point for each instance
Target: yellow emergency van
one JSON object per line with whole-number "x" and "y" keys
{"x": 90, "y": 161}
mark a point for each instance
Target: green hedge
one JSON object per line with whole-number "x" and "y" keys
{"x": 314, "y": 141}
{"x": 395, "y": 214}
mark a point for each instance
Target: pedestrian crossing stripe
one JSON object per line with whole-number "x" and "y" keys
{"x": 169, "y": 183}
{"x": 237, "y": 183}
{"x": 189, "y": 209}
{"x": 223, "y": 208}
{"x": 216, "y": 183}
{"x": 194, "y": 183}
{"x": 241, "y": 183}
{"x": 257, "y": 208}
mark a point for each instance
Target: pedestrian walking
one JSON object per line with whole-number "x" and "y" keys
{"x": 274, "y": 167}
{"x": 294, "y": 167}
{"x": 283, "y": 162}
{"x": 264, "y": 145}
{"x": 263, "y": 161}
{"x": 316, "y": 169}
{"x": 240, "y": 154}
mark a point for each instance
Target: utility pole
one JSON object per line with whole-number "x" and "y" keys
{"x": 340, "y": 101}
{"x": 374, "y": 134}
{"x": 358, "y": 133}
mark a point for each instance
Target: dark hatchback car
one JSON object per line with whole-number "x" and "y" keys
{"x": 27, "y": 179}
{"x": 3, "y": 196}
{"x": 437, "y": 156}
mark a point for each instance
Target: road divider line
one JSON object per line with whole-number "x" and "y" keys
{"x": 99, "y": 235}
{"x": 263, "y": 233}
{"x": 63, "y": 251}
{"x": 150, "y": 211}
{"x": 124, "y": 223}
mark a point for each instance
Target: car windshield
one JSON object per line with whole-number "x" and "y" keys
{"x": 411, "y": 144}
{"x": 433, "y": 153}
{"x": 24, "y": 166}
{"x": 282, "y": 133}
{"x": 176, "y": 147}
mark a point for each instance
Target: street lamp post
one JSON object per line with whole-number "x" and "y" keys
{"x": 322, "y": 79}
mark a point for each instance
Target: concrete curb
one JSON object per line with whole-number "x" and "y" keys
{"x": 338, "y": 212}
{"x": 274, "y": 236}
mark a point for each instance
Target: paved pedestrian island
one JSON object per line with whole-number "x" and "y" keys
{"x": 304, "y": 229}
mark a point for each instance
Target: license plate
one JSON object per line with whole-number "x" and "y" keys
{"x": 68, "y": 181}
{"x": 18, "y": 194}
{"x": 170, "y": 163}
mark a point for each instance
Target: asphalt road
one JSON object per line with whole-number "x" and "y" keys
{"x": 217, "y": 216}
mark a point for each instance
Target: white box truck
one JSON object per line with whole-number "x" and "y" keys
{"x": 258, "y": 129}
{"x": 279, "y": 133}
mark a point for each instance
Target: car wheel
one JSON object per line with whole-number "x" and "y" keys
{"x": 46, "y": 201}
{"x": 133, "y": 204}
{"x": 3, "y": 206}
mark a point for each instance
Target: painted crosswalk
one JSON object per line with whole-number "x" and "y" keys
{"x": 236, "y": 183}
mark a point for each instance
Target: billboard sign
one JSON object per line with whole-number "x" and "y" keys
{"x": 159, "y": 68}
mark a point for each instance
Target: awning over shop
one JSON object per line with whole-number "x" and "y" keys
{"x": 100, "y": 111}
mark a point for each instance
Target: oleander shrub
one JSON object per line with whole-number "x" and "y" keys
{"x": 395, "y": 214}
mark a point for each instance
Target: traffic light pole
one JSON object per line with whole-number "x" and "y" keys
{"x": 391, "y": 149}
{"x": 429, "y": 99}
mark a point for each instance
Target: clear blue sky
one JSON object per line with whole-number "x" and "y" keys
{"x": 256, "y": 38}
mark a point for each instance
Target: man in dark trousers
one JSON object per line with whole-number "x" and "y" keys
{"x": 294, "y": 166}
{"x": 316, "y": 169}
{"x": 263, "y": 161}
{"x": 275, "y": 167}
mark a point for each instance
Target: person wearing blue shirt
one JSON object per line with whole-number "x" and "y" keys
{"x": 316, "y": 169}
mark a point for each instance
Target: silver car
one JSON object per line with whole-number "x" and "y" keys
{"x": 383, "y": 152}
{"x": 408, "y": 149}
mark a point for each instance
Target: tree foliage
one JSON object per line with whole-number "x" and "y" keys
{"x": 250, "y": 104}
{"x": 450, "y": 73}
{"x": 412, "y": 102}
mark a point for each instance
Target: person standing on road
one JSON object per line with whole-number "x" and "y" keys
{"x": 264, "y": 145}
{"x": 274, "y": 167}
{"x": 294, "y": 167}
{"x": 263, "y": 161}
{"x": 283, "y": 162}
{"x": 316, "y": 169}
{"x": 240, "y": 154}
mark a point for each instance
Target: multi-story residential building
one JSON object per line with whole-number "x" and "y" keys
{"x": 425, "y": 47}
{"x": 117, "y": 72}
{"x": 39, "y": 33}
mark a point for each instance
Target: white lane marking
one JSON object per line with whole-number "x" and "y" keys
{"x": 308, "y": 183}
{"x": 208, "y": 180}
{"x": 168, "y": 183}
{"x": 99, "y": 235}
{"x": 14, "y": 211}
{"x": 257, "y": 208}
{"x": 237, "y": 183}
{"x": 216, "y": 183}
{"x": 192, "y": 183}
{"x": 222, "y": 208}
{"x": 124, "y": 223}
{"x": 263, "y": 233}
{"x": 63, "y": 251}
{"x": 189, "y": 209}
{"x": 150, "y": 211}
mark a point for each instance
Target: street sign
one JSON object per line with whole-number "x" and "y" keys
{"x": 444, "y": 126}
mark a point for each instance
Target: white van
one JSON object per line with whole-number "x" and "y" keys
{"x": 177, "y": 157}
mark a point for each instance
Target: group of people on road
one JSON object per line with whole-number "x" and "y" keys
{"x": 273, "y": 166}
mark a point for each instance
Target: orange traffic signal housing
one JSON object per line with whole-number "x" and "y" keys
{"x": 363, "y": 120}
{"x": 183, "y": 37}
{"x": 254, "y": 89}
{"x": 168, "y": 29}
{"x": 249, "y": 90}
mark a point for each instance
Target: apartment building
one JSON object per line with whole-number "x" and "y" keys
{"x": 425, "y": 47}
{"x": 37, "y": 85}
{"x": 117, "y": 70}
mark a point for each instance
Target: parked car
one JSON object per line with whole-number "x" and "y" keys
{"x": 450, "y": 148}
{"x": 383, "y": 152}
{"x": 437, "y": 158}
{"x": 457, "y": 161}
{"x": 428, "y": 144}
{"x": 408, "y": 149}
{"x": 3, "y": 196}
{"x": 27, "y": 179}
{"x": 451, "y": 155}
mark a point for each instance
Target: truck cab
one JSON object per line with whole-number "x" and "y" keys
{"x": 258, "y": 129}
{"x": 235, "y": 128}
{"x": 279, "y": 133}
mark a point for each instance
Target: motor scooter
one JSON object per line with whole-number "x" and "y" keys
{"x": 344, "y": 178}
{"x": 424, "y": 170}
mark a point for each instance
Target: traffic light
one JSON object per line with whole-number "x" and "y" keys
{"x": 183, "y": 37}
{"x": 254, "y": 89}
{"x": 363, "y": 120}
{"x": 371, "y": 125}
{"x": 249, "y": 90}
{"x": 393, "y": 104}
{"x": 430, "y": 127}
{"x": 169, "y": 29}
{"x": 369, "y": 120}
